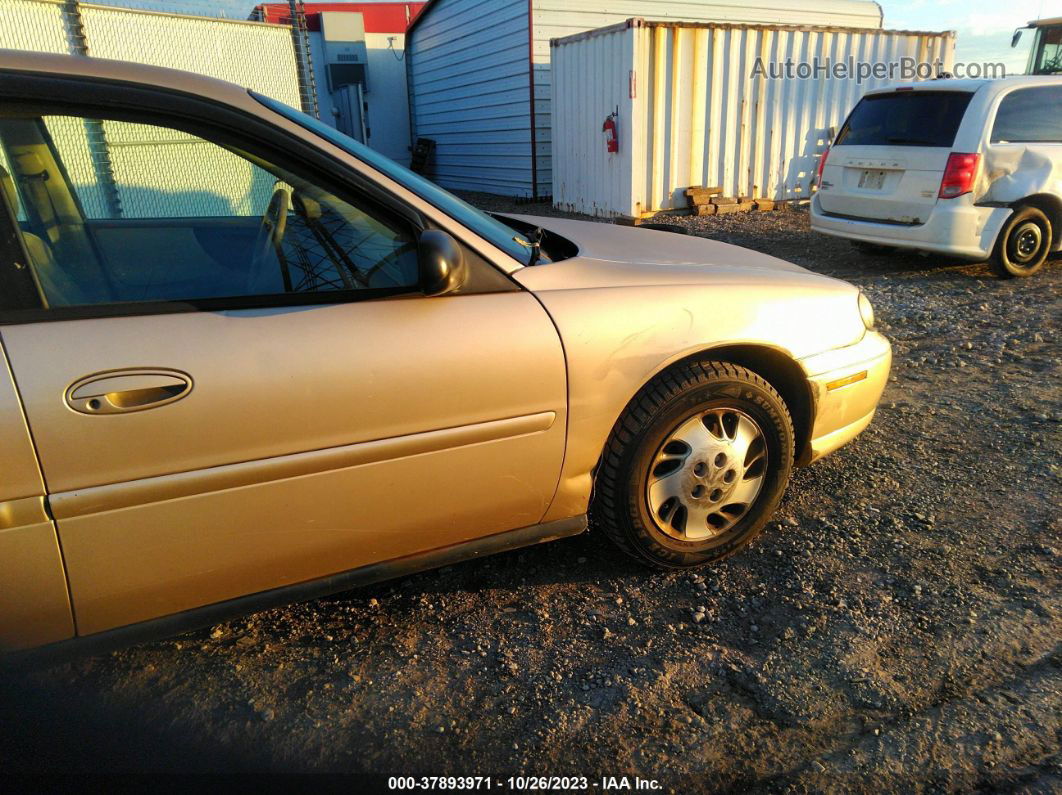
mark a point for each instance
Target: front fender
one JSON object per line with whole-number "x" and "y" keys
{"x": 617, "y": 339}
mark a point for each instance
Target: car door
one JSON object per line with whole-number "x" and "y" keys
{"x": 36, "y": 606}
{"x": 1025, "y": 144}
{"x": 233, "y": 382}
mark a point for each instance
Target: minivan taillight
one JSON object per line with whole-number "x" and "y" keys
{"x": 958, "y": 175}
{"x": 822, "y": 165}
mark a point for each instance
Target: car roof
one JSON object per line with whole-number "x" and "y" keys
{"x": 157, "y": 77}
{"x": 970, "y": 84}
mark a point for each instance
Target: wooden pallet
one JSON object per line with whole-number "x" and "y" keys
{"x": 709, "y": 201}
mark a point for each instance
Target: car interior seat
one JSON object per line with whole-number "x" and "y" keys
{"x": 58, "y": 289}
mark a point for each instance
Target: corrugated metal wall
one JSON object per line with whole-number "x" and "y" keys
{"x": 556, "y": 18}
{"x": 469, "y": 91}
{"x": 147, "y": 161}
{"x": 470, "y": 77}
{"x": 698, "y": 115}
{"x": 590, "y": 80}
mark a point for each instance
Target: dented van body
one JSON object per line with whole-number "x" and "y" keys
{"x": 943, "y": 165}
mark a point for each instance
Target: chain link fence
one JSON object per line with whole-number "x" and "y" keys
{"x": 123, "y": 170}
{"x": 220, "y": 9}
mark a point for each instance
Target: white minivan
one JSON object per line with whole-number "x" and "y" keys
{"x": 970, "y": 168}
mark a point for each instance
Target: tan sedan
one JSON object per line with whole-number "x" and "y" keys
{"x": 247, "y": 360}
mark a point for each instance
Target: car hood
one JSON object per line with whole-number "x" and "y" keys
{"x": 621, "y": 256}
{"x": 676, "y": 279}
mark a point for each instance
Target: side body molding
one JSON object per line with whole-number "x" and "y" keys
{"x": 66, "y": 505}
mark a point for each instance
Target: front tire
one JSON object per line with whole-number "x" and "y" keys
{"x": 1023, "y": 244}
{"x": 695, "y": 466}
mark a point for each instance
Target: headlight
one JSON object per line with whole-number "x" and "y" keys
{"x": 866, "y": 311}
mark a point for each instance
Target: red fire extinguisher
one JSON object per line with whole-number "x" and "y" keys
{"x": 611, "y": 133}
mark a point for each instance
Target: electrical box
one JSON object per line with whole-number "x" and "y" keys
{"x": 346, "y": 56}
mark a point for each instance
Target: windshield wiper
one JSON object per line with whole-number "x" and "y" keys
{"x": 534, "y": 237}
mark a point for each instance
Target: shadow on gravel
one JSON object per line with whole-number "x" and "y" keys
{"x": 47, "y": 729}
{"x": 60, "y": 731}
{"x": 569, "y": 562}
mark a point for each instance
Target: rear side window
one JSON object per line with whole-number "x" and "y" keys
{"x": 1029, "y": 115}
{"x": 907, "y": 118}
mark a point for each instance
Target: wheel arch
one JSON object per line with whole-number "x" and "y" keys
{"x": 783, "y": 373}
{"x": 775, "y": 366}
{"x": 608, "y": 486}
{"x": 1051, "y": 206}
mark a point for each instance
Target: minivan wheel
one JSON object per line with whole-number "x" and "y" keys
{"x": 695, "y": 466}
{"x": 1023, "y": 244}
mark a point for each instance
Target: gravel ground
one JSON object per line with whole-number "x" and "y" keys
{"x": 897, "y": 627}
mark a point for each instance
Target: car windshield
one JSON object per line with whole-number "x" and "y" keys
{"x": 504, "y": 237}
{"x": 905, "y": 118}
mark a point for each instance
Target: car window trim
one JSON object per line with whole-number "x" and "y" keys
{"x": 342, "y": 183}
{"x": 9, "y": 317}
{"x": 91, "y": 93}
{"x": 198, "y": 116}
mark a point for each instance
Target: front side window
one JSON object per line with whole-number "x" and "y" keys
{"x": 112, "y": 212}
{"x": 504, "y": 237}
{"x": 905, "y": 118}
{"x": 1029, "y": 115}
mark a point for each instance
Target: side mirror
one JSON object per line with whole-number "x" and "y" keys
{"x": 440, "y": 262}
{"x": 1015, "y": 38}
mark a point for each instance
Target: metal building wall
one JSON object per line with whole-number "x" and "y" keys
{"x": 698, "y": 115}
{"x": 469, "y": 91}
{"x": 143, "y": 160}
{"x": 471, "y": 80}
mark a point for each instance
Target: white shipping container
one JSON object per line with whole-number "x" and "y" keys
{"x": 692, "y": 109}
{"x": 479, "y": 74}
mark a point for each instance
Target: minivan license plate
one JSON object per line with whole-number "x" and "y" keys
{"x": 872, "y": 180}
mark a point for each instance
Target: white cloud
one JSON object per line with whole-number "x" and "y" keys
{"x": 983, "y": 27}
{"x": 1016, "y": 15}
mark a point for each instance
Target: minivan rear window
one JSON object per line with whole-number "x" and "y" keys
{"x": 905, "y": 118}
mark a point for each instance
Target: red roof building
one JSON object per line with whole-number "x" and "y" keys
{"x": 365, "y": 95}
{"x": 379, "y": 17}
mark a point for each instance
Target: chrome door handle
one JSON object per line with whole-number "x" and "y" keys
{"x": 119, "y": 391}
